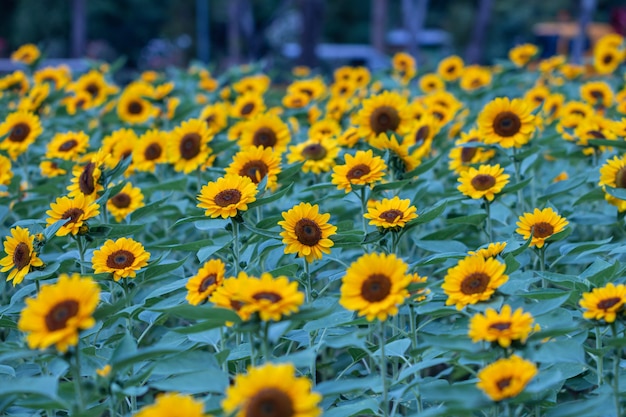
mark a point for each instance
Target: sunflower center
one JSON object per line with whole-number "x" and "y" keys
{"x": 190, "y": 145}
{"x": 607, "y": 59}
{"x": 357, "y": 172}
{"x": 597, "y": 94}
{"x": 86, "y": 181}
{"x": 153, "y": 151}
{"x": 272, "y": 297}
{"x": 376, "y": 288}
{"x": 314, "y": 152}
{"x": 384, "y": 118}
{"x": 542, "y": 229}
{"x": 504, "y": 325}
{"x": 236, "y": 305}
{"x": 57, "y": 317}
{"x": 247, "y": 109}
{"x": 307, "y": 91}
{"x": 135, "y": 107}
{"x": 450, "y": 69}
{"x": 390, "y": 216}
{"x": 264, "y": 137}
{"x": 308, "y": 232}
{"x": 68, "y": 145}
{"x": 120, "y": 259}
{"x": 207, "y": 281}
{"x": 19, "y": 133}
{"x": 503, "y": 383}
{"x": 475, "y": 283}
{"x": 506, "y": 124}
{"x": 121, "y": 200}
{"x": 596, "y": 134}
{"x": 422, "y": 134}
{"x": 483, "y": 182}
{"x": 270, "y": 402}
{"x": 255, "y": 170}
{"x": 438, "y": 115}
{"x": 620, "y": 178}
{"x": 227, "y": 197}
{"x": 608, "y": 303}
{"x": 93, "y": 89}
{"x": 21, "y": 256}
{"x": 73, "y": 215}
{"x": 209, "y": 120}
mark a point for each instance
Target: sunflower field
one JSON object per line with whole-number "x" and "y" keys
{"x": 402, "y": 243}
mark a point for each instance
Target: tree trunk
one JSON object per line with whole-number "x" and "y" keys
{"x": 587, "y": 7}
{"x": 378, "y": 24}
{"x": 79, "y": 28}
{"x": 475, "y": 50}
{"x": 312, "y": 17}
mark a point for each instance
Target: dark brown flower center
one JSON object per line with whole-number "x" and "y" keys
{"x": 390, "y": 216}
{"x": 308, "y": 232}
{"x": 236, "y": 305}
{"x": 438, "y": 115}
{"x": 503, "y": 383}
{"x": 376, "y": 288}
{"x": 68, "y": 145}
{"x": 620, "y": 178}
{"x": 506, "y": 124}
{"x": 270, "y": 402}
{"x": 210, "y": 119}
{"x": 475, "y": 283}
{"x": 190, "y": 145}
{"x": 608, "y": 303}
{"x": 597, "y": 94}
{"x": 314, "y": 152}
{"x": 468, "y": 153}
{"x": 307, "y": 91}
{"x": 255, "y": 170}
{"x": 247, "y": 109}
{"x": 542, "y": 230}
{"x": 227, "y": 197}
{"x": 19, "y": 132}
{"x": 596, "y": 134}
{"x": 207, "y": 281}
{"x": 135, "y": 107}
{"x": 120, "y": 259}
{"x": 121, "y": 200}
{"x": 21, "y": 256}
{"x": 501, "y": 326}
{"x": 264, "y": 137}
{"x": 422, "y": 134}
{"x": 57, "y": 317}
{"x": 607, "y": 59}
{"x": 357, "y": 172}
{"x": 152, "y": 152}
{"x": 86, "y": 181}
{"x": 384, "y": 118}
{"x": 72, "y": 215}
{"x": 93, "y": 89}
{"x": 483, "y": 182}
{"x": 272, "y": 297}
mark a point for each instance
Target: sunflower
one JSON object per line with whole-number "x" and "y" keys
{"x": 606, "y": 58}
{"x": 296, "y": 100}
{"x": 594, "y": 127}
{"x": 15, "y": 83}
{"x": 472, "y": 280}
{"x": 21, "y": 130}
{"x": 520, "y": 55}
{"x": 506, "y": 378}
{"x": 450, "y": 68}
{"x": 318, "y": 155}
{"x": 205, "y": 282}
{"x": 604, "y": 303}
{"x": 491, "y": 251}
{"x": 313, "y": 88}
{"x": 35, "y": 98}
{"x": 420, "y": 294}
{"x": 383, "y": 112}
{"x": 149, "y": 150}
{"x": 59, "y": 312}
{"x": 325, "y": 128}
{"x": 81, "y": 100}
{"x": 125, "y": 202}
{"x": 403, "y": 158}
{"x": 461, "y": 157}
{"x": 535, "y": 96}
{"x": 266, "y": 130}
{"x": 27, "y": 54}
{"x": 77, "y": 211}
{"x": 21, "y": 256}
{"x": 508, "y": 123}
{"x": 361, "y": 169}
{"x": 216, "y": 116}
{"x": 256, "y": 163}
{"x": 273, "y": 298}
{"x": 188, "y": 145}
{"x": 6, "y": 171}
{"x": 541, "y": 224}
{"x": 504, "y": 327}
{"x": 336, "y": 108}
{"x": 51, "y": 169}
{"x": 301, "y": 71}
{"x": 133, "y": 106}
{"x": 172, "y": 404}
{"x": 230, "y": 294}
{"x": 67, "y": 145}
{"x": 227, "y": 196}
{"x": 391, "y": 213}
{"x": 95, "y": 85}
{"x": 597, "y": 93}
{"x": 375, "y": 285}
{"x": 475, "y": 77}
{"x": 349, "y": 137}
{"x": 484, "y": 182}
{"x": 306, "y": 231}
{"x": 247, "y": 106}
{"x": 119, "y": 144}
{"x": 123, "y": 258}
{"x": 430, "y": 83}
{"x": 573, "y": 112}
{"x": 271, "y": 390}
{"x": 571, "y": 71}
{"x": 445, "y": 99}
{"x": 404, "y": 66}
{"x": 256, "y": 84}
{"x": 552, "y": 107}
{"x": 86, "y": 181}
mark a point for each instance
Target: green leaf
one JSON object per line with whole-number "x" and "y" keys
{"x": 261, "y": 232}
{"x": 347, "y": 385}
{"x": 511, "y": 188}
{"x": 432, "y": 214}
{"x": 289, "y": 172}
{"x": 366, "y": 407}
{"x": 619, "y": 193}
{"x": 276, "y": 196}
{"x": 473, "y": 219}
{"x": 207, "y": 380}
{"x": 620, "y": 144}
{"x": 155, "y": 270}
{"x": 46, "y": 386}
{"x": 422, "y": 168}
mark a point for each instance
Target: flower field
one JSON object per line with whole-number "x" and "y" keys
{"x": 402, "y": 243}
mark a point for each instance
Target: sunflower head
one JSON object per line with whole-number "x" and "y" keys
{"x": 520, "y": 55}
{"x": 540, "y": 224}
{"x": 125, "y": 202}
{"x": 387, "y": 111}
{"x": 227, "y": 196}
{"x": 256, "y": 163}
{"x": 450, "y": 68}
{"x": 506, "y": 377}
{"x": 391, "y": 214}
{"x": 205, "y": 282}
{"x": 317, "y": 154}
{"x": 21, "y": 255}
{"x": 504, "y": 327}
{"x": 27, "y": 54}
{"x": 508, "y": 123}
{"x": 272, "y": 298}
{"x": 172, "y": 403}
{"x": 123, "y": 258}
{"x": 188, "y": 145}
{"x": 361, "y": 169}
{"x": 20, "y": 129}
{"x": 604, "y": 303}
{"x": 491, "y": 251}
{"x": 484, "y": 182}
{"x": 306, "y": 232}
{"x": 76, "y": 211}
{"x": 266, "y": 131}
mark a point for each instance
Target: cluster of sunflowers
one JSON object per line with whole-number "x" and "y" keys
{"x": 304, "y": 205}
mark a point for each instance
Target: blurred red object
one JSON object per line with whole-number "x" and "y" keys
{"x": 618, "y": 20}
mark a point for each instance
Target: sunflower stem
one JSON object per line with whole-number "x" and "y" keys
{"x": 383, "y": 369}
{"x": 81, "y": 253}
{"x": 363, "y": 211}
{"x": 616, "y": 362}
{"x": 488, "y": 221}
{"x": 542, "y": 265}
{"x": 518, "y": 179}
{"x": 222, "y": 348}
{"x": 236, "y": 248}
{"x": 78, "y": 388}
{"x": 599, "y": 357}
{"x": 266, "y": 342}
{"x": 252, "y": 350}
{"x": 413, "y": 327}
{"x": 308, "y": 286}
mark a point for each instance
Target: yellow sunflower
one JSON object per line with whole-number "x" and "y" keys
{"x": 21, "y": 256}
{"x": 604, "y": 303}
{"x": 535, "y": 96}
{"x": 172, "y": 404}
{"x": 313, "y": 88}
{"x": 508, "y": 123}
{"x": 77, "y": 211}
{"x": 606, "y": 59}
{"x": 68, "y": 145}
{"x": 422, "y": 133}
{"x": 123, "y": 258}
{"x": 325, "y": 128}
{"x": 349, "y": 137}
{"x": 296, "y": 100}
{"x": 520, "y": 55}
{"x": 35, "y": 98}
{"x": 504, "y": 327}
{"x": 491, "y": 251}
{"x": 419, "y": 294}
{"x": 266, "y": 130}
{"x": 205, "y": 282}
{"x": 552, "y": 107}
{"x": 247, "y": 106}
{"x": 383, "y": 112}
{"x": 506, "y": 378}
{"x": 597, "y": 93}
{"x": 541, "y": 224}
{"x": 484, "y": 182}
{"x": 80, "y": 101}
{"x": 125, "y": 202}
{"x": 272, "y": 298}
{"x": 86, "y": 181}
{"x": 58, "y": 76}
{"x": 6, "y": 171}
{"x": 361, "y": 169}
{"x": 430, "y": 83}
{"x": 258, "y": 84}
{"x": 94, "y": 84}
{"x": 216, "y": 116}
{"x": 273, "y": 390}
{"x": 15, "y": 83}
{"x": 391, "y": 213}
{"x": 575, "y": 111}
{"x": 450, "y": 68}
{"x": 404, "y": 66}
{"x": 134, "y": 107}
{"x": 149, "y": 150}
{"x": 51, "y": 169}
{"x": 256, "y": 163}
{"x": 27, "y": 54}
{"x": 462, "y": 157}
{"x": 59, "y": 312}
{"x": 472, "y": 280}
{"x": 230, "y": 294}
{"x": 318, "y": 155}
{"x": 475, "y": 77}
{"x": 375, "y": 285}
{"x": 306, "y": 231}
{"x": 188, "y": 145}
{"x": 21, "y": 129}
{"x": 227, "y": 196}
{"x": 402, "y": 158}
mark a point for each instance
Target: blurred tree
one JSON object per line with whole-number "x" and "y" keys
{"x": 378, "y": 24}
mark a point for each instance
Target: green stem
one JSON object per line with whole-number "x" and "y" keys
{"x": 236, "y": 247}
{"x": 542, "y": 265}
{"x": 363, "y": 211}
{"x": 489, "y": 225}
{"x": 383, "y": 369}
{"x": 78, "y": 388}
{"x": 81, "y": 253}
{"x": 222, "y": 348}
{"x": 308, "y": 286}
{"x": 413, "y": 327}
{"x": 266, "y": 342}
{"x": 252, "y": 350}
{"x": 616, "y": 372}
{"x": 599, "y": 357}
{"x": 518, "y": 179}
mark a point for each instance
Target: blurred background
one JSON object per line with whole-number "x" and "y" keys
{"x": 152, "y": 34}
